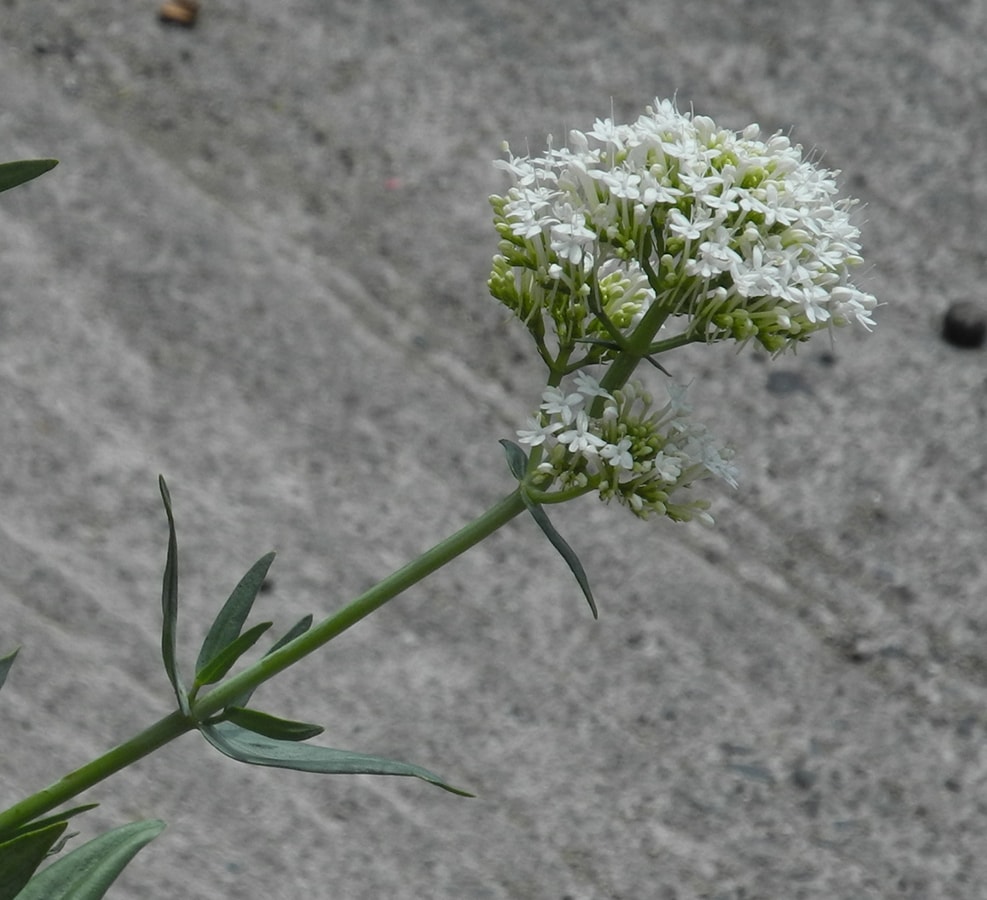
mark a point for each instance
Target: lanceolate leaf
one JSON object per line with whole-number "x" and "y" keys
{"x": 271, "y": 726}
{"x": 234, "y": 613}
{"x": 21, "y": 856}
{"x": 169, "y": 605}
{"x": 517, "y": 460}
{"x": 296, "y": 630}
{"x": 248, "y": 747}
{"x": 49, "y": 820}
{"x": 226, "y": 657}
{"x": 87, "y": 872}
{"x": 5, "y": 663}
{"x": 15, "y": 173}
{"x": 559, "y": 543}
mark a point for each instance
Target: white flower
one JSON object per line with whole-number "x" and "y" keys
{"x": 580, "y": 439}
{"x": 535, "y": 432}
{"x": 714, "y": 256}
{"x": 677, "y": 404}
{"x": 572, "y": 240}
{"x": 607, "y": 133}
{"x": 690, "y": 229}
{"x": 557, "y": 403}
{"x": 719, "y": 464}
{"x": 620, "y": 182}
{"x": 667, "y": 468}
{"x": 588, "y": 386}
{"x": 618, "y": 455}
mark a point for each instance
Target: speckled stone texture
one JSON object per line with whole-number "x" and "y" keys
{"x": 259, "y": 269}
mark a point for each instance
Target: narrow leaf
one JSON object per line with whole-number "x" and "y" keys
{"x": 5, "y": 663}
{"x": 559, "y": 543}
{"x": 21, "y": 856}
{"x": 88, "y": 871}
{"x": 226, "y": 628}
{"x": 271, "y": 726}
{"x": 298, "y": 629}
{"x": 49, "y": 820}
{"x": 226, "y": 657}
{"x": 257, "y": 750}
{"x": 15, "y": 173}
{"x": 517, "y": 460}
{"x": 169, "y": 605}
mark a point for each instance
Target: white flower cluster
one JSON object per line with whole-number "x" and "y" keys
{"x": 618, "y": 445}
{"x": 742, "y": 236}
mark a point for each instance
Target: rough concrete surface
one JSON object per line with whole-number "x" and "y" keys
{"x": 259, "y": 269}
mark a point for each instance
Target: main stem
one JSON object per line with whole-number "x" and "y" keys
{"x": 637, "y": 347}
{"x": 441, "y": 554}
{"x": 175, "y": 724}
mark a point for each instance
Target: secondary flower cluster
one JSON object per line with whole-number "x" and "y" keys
{"x": 739, "y": 235}
{"x": 618, "y": 444}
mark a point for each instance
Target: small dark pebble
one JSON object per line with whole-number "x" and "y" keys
{"x": 965, "y": 324}
{"x": 803, "y": 778}
{"x": 787, "y": 381}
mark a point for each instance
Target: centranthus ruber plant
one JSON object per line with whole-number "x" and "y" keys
{"x": 632, "y": 240}
{"x": 626, "y": 243}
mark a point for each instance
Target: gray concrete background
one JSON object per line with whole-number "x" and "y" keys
{"x": 259, "y": 270}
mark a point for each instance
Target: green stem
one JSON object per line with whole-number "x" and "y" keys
{"x": 73, "y": 784}
{"x": 636, "y": 347}
{"x": 175, "y": 724}
{"x": 563, "y": 496}
{"x": 441, "y": 554}
{"x": 680, "y": 340}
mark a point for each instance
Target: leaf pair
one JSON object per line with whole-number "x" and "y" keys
{"x": 23, "y": 850}
{"x": 249, "y": 735}
{"x": 517, "y": 462}
{"x": 224, "y": 643}
{"x": 84, "y": 874}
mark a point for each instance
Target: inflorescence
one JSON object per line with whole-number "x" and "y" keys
{"x": 643, "y": 457}
{"x": 632, "y": 240}
{"x": 740, "y": 236}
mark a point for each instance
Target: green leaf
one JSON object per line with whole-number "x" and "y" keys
{"x": 169, "y": 605}
{"x": 49, "y": 820}
{"x": 15, "y": 173}
{"x": 5, "y": 663}
{"x": 257, "y": 750}
{"x": 88, "y": 871}
{"x": 271, "y": 726}
{"x": 21, "y": 856}
{"x": 559, "y": 543}
{"x": 517, "y": 460}
{"x": 296, "y": 630}
{"x": 226, "y": 628}
{"x": 224, "y": 660}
